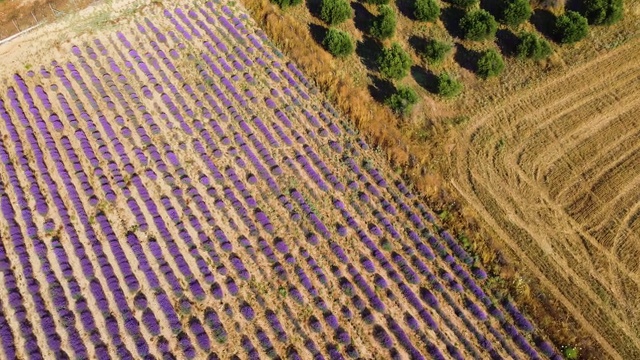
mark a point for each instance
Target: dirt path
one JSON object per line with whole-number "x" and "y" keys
{"x": 502, "y": 163}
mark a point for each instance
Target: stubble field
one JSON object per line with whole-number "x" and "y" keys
{"x": 555, "y": 170}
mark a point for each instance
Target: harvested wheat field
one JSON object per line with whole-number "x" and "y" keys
{"x": 555, "y": 170}
{"x": 172, "y": 186}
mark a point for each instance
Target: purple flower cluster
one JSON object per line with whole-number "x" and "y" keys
{"x": 413, "y": 300}
{"x": 520, "y": 320}
{"x": 476, "y": 310}
{"x": 216, "y": 290}
{"x": 406, "y": 269}
{"x": 380, "y": 281}
{"x": 276, "y": 326}
{"x": 420, "y": 246}
{"x": 429, "y": 298}
{"x": 328, "y": 175}
{"x": 305, "y": 281}
{"x": 281, "y": 245}
{"x": 458, "y": 251}
{"x": 374, "y": 230}
{"x": 238, "y": 265}
{"x": 266, "y": 250}
{"x": 231, "y": 286}
{"x": 319, "y": 226}
{"x": 360, "y": 281}
{"x": 280, "y": 271}
{"x": 382, "y": 336}
{"x": 247, "y": 311}
{"x": 346, "y": 286}
{"x": 387, "y": 225}
{"x": 421, "y": 266}
{"x": 212, "y": 320}
{"x": 403, "y": 338}
{"x": 265, "y": 342}
{"x": 122, "y": 261}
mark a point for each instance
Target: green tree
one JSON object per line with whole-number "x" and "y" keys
{"x": 393, "y": 62}
{"x": 533, "y": 47}
{"x": 426, "y": 10}
{"x": 334, "y": 12}
{"x": 465, "y": 4}
{"x": 478, "y": 25}
{"x": 515, "y": 12}
{"x": 447, "y": 86}
{"x": 570, "y": 352}
{"x": 402, "y": 100}
{"x": 571, "y": 27}
{"x": 376, "y": 2}
{"x": 287, "y": 3}
{"x": 384, "y": 25}
{"x": 435, "y": 51}
{"x": 490, "y": 64}
{"x": 338, "y": 43}
{"x": 603, "y": 12}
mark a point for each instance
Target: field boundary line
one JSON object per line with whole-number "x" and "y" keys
{"x": 14, "y": 36}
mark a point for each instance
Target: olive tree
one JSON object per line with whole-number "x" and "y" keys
{"x": 571, "y": 27}
{"x": 478, "y": 25}
{"x": 465, "y": 4}
{"x": 287, "y": 3}
{"x": 384, "y": 25}
{"x": 426, "y": 10}
{"x": 490, "y": 64}
{"x": 394, "y": 62}
{"x": 338, "y": 43}
{"x": 402, "y": 100}
{"x": 435, "y": 51}
{"x": 515, "y": 12}
{"x": 334, "y": 12}
{"x": 603, "y": 12}
{"x": 376, "y": 2}
{"x": 447, "y": 86}
{"x": 533, "y": 47}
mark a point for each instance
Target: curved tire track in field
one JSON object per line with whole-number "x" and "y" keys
{"x": 581, "y": 273}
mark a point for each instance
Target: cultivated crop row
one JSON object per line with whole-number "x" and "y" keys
{"x": 179, "y": 189}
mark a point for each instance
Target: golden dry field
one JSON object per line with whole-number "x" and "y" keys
{"x": 556, "y": 171}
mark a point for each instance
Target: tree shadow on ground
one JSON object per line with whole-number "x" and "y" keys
{"x": 406, "y": 8}
{"x": 417, "y": 43}
{"x": 318, "y": 32}
{"x": 545, "y": 22}
{"x": 574, "y": 5}
{"x": 507, "y": 41}
{"x": 451, "y": 17}
{"x": 368, "y": 50}
{"x": 425, "y": 78}
{"x": 314, "y": 7}
{"x": 466, "y": 58}
{"x": 380, "y": 89}
{"x": 362, "y": 17}
{"x": 493, "y": 7}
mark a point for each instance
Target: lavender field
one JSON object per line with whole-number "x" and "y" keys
{"x": 178, "y": 189}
